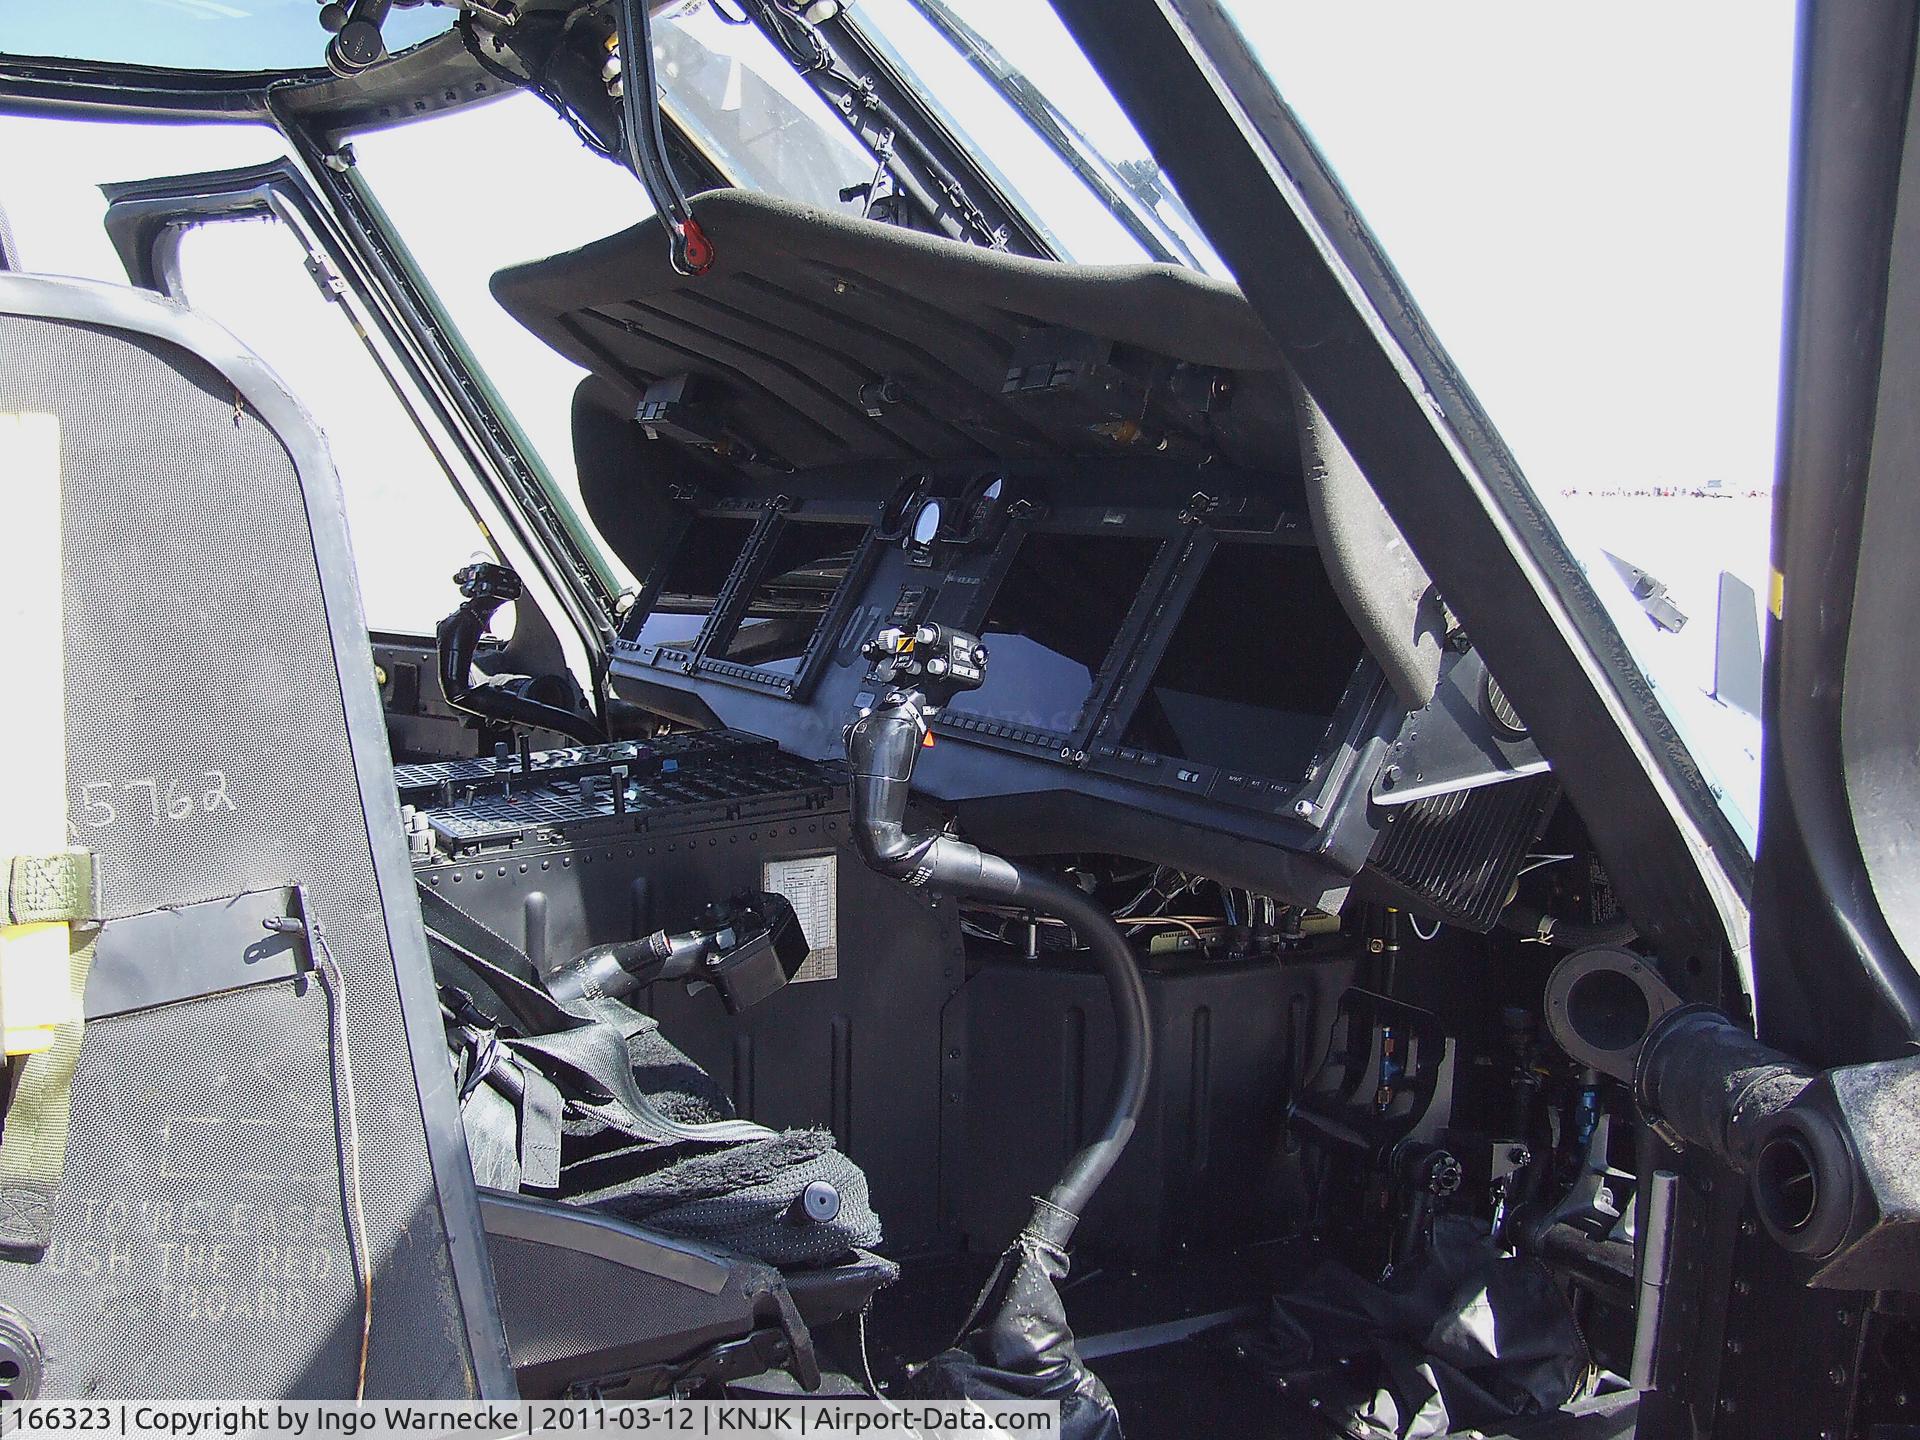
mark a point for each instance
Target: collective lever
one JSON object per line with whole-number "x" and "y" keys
{"x": 746, "y": 949}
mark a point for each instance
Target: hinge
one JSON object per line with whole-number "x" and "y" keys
{"x": 332, "y": 287}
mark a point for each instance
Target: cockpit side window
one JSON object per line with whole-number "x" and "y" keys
{"x": 52, "y": 168}
{"x": 409, "y": 530}
{"x": 510, "y": 172}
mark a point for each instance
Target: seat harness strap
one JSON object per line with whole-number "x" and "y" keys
{"x": 45, "y": 1021}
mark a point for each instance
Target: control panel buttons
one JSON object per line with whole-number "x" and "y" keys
{"x": 1237, "y": 788}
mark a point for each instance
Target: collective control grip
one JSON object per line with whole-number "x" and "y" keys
{"x": 916, "y": 670}
{"x": 745, "y": 948}
{"x": 937, "y": 662}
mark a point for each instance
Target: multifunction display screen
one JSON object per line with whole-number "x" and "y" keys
{"x": 789, "y": 602}
{"x": 1255, "y": 667}
{"x": 696, "y": 572}
{"x": 1051, "y": 623}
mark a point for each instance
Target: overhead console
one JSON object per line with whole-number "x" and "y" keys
{"x": 844, "y": 425}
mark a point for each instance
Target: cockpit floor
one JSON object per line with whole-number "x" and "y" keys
{"x": 1163, "y": 1337}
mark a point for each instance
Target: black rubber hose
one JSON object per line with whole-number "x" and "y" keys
{"x": 1714, "y": 1085}
{"x": 1133, "y": 1052}
{"x": 881, "y": 749}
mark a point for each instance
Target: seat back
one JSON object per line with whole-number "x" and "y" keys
{"x": 253, "y": 1114}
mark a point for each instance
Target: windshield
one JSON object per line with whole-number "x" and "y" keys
{"x": 1601, "y": 248}
{"x": 438, "y": 181}
{"x": 745, "y": 107}
{"x": 749, "y": 110}
{"x": 236, "y": 35}
{"x": 1012, "y": 85}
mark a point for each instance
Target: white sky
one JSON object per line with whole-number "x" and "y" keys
{"x": 1588, "y": 202}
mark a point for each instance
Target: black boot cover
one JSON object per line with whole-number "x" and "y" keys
{"x": 1023, "y": 1349}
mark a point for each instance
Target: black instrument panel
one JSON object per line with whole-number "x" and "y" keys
{"x": 1186, "y": 660}
{"x": 1097, "y": 468}
{"x": 1186, "y": 679}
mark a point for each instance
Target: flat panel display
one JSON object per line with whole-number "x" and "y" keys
{"x": 696, "y": 572}
{"x": 796, "y": 588}
{"x": 1051, "y": 623}
{"x": 1255, "y": 667}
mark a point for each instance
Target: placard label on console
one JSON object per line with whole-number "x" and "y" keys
{"x": 810, "y": 883}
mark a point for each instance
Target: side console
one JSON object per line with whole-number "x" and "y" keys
{"x": 559, "y": 850}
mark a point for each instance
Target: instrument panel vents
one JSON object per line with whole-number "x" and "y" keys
{"x": 1456, "y": 856}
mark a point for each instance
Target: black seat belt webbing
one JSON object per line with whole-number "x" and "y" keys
{"x": 588, "y": 1047}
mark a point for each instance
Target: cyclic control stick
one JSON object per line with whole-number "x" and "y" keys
{"x": 484, "y": 588}
{"x": 916, "y": 671}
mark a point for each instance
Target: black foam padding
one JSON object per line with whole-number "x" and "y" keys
{"x": 199, "y": 1233}
{"x": 802, "y": 308}
{"x": 574, "y": 1316}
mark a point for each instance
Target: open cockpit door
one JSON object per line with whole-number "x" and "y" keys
{"x": 1780, "y": 1173}
{"x": 406, "y": 413}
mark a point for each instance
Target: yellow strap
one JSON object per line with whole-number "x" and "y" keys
{"x": 34, "y": 993}
{"x": 33, "y": 1144}
{"x": 44, "y": 893}
{"x": 46, "y": 933}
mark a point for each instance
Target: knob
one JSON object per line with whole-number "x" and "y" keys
{"x": 818, "y": 1204}
{"x": 357, "y": 47}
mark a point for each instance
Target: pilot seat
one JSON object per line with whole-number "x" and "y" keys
{"x": 246, "y": 1163}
